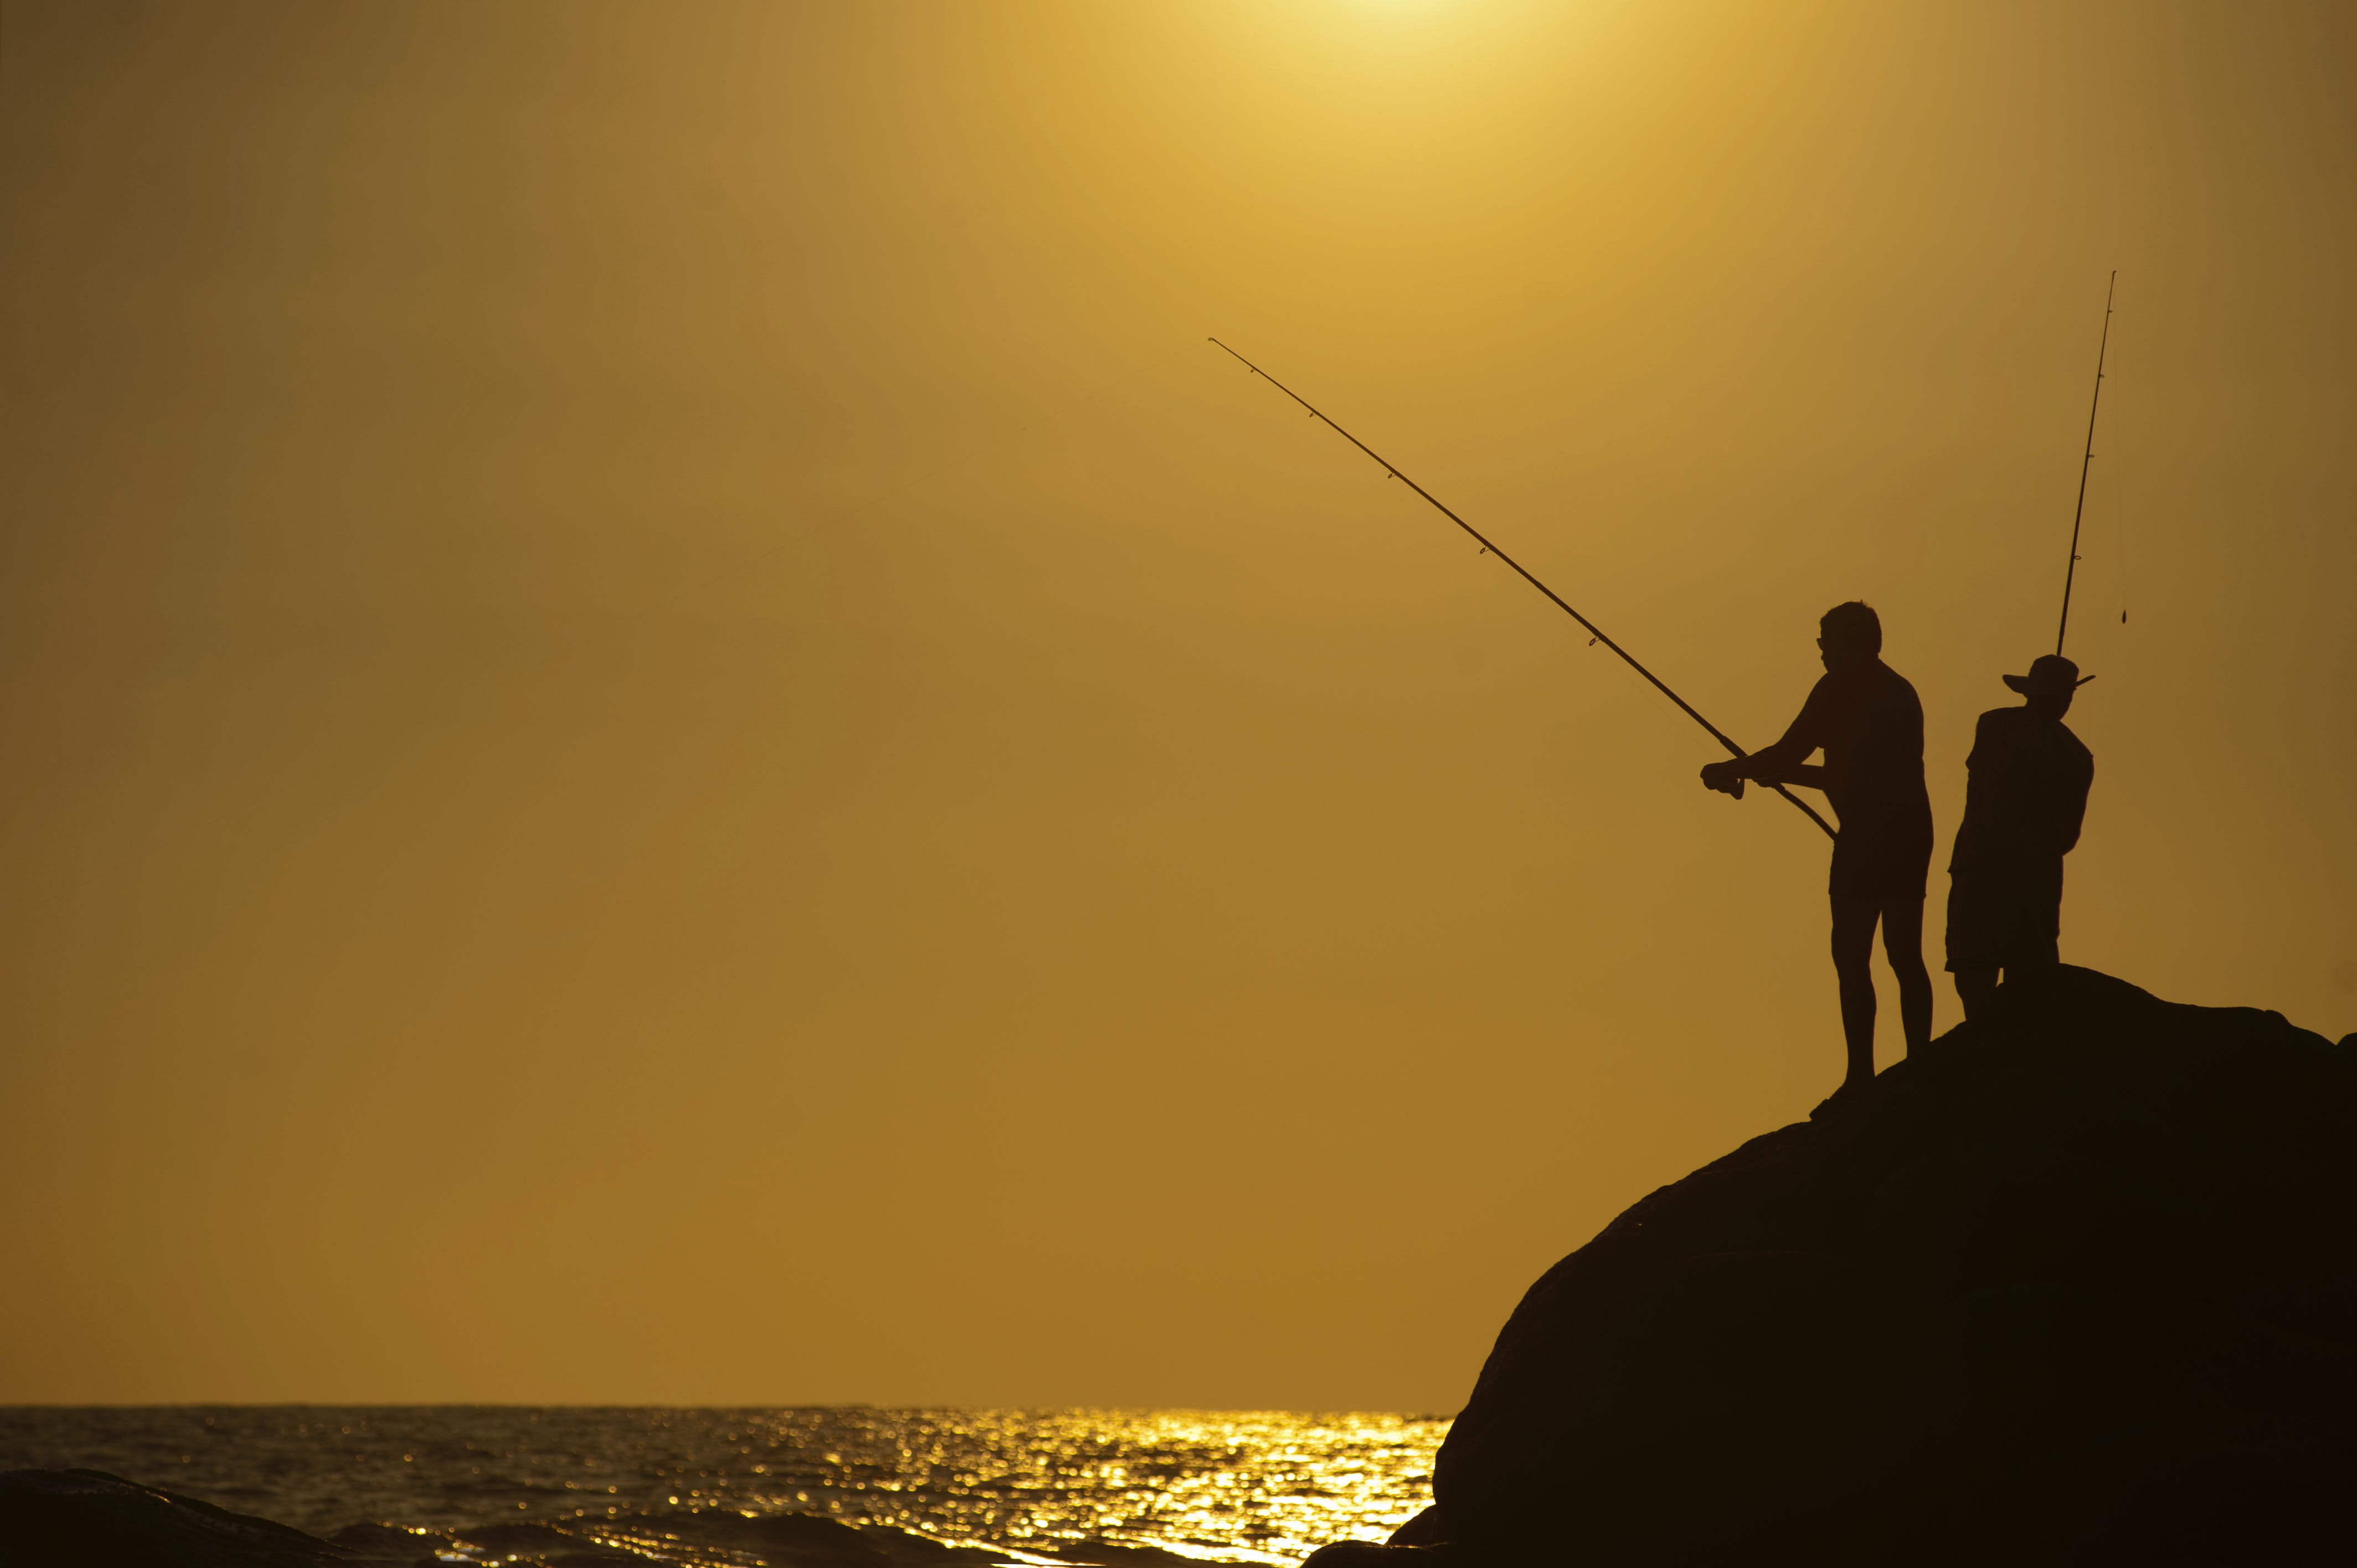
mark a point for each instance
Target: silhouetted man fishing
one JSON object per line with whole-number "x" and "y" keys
{"x": 2025, "y": 799}
{"x": 1869, "y": 724}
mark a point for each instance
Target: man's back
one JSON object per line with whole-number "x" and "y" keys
{"x": 2025, "y": 790}
{"x": 1870, "y": 724}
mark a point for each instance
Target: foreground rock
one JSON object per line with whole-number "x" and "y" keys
{"x": 2077, "y": 1284}
{"x": 91, "y": 1519}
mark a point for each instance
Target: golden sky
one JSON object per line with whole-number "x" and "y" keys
{"x": 671, "y": 737}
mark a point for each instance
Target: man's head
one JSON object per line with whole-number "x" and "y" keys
{"x": 1849, "y": 635}
{"x": 2050, "y": 684}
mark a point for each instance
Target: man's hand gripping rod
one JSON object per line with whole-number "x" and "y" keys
{"x": 1716, "y": 733}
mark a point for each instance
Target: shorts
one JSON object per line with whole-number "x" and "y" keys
{"x": 2005, "y": 917}
{"x": 1886, "y": 865}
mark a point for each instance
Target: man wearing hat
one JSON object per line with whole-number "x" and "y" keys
{"x": 2025, "y": 797}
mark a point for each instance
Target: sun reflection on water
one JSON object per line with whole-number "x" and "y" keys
{"x": 1237, "y": 1486}
{"x": 682, "y": 1486}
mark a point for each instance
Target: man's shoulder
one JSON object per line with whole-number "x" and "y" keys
{"x": 1864, "y": 688}
{"x": 2018, "y": 727}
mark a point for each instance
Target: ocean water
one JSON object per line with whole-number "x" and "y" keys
{"x": 695, "y": 1486}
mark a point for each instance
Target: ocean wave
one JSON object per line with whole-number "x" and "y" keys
{"x": 854, "y": 1487}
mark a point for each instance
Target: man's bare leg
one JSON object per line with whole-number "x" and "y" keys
{"x": 1854, "y": 922}
{"x": 1976, "y": 989}
{"x": 1902, "y": 944}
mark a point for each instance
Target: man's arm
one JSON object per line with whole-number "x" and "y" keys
{"x": 1765, "y": 767}
{"x": 2072, "y": 815}
{"x": 1781, "y": 762}
{"x": 1812, "y": 774}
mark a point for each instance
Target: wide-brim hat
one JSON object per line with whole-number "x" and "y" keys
{"x": 2049, "y": 675}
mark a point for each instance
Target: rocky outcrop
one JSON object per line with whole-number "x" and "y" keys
{"x": 2077, "y": 1284}
{"x": 90, "y": 1519}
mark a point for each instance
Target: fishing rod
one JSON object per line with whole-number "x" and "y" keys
{"x": 1595, "y": 633}
{"x": 2093, "y": 403}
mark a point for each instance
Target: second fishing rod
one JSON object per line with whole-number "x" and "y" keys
{"x": 1595, "y": 630}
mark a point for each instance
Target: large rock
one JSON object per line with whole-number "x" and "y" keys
{"x": 89, "y": 1518}
{"x": 2076, "y": 1284}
